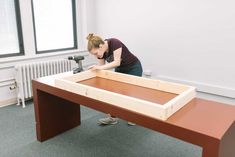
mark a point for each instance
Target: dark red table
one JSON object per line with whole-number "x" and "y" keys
{"x": 208, "y": 124}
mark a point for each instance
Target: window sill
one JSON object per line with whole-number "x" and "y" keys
{"x": 9, "y": 61}
{"x": 38, "y": 56}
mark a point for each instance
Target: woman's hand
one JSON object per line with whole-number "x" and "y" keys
{"x": 95, "y": 67}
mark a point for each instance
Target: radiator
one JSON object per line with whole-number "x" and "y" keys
{"x": 24, "y": 73}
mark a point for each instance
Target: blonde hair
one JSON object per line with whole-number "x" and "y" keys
{"x": 94, "y": 41}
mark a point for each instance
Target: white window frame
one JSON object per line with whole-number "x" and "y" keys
{"x": 75, "y": 45}
{"x": 19, "y": 33}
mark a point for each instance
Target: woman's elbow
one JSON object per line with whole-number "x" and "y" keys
{"x": 117, "y": 63}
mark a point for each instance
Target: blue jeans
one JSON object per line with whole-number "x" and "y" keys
{"x": 134, "y": 69}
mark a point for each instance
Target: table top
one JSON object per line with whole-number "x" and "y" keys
{"x": 139, "y": 92}
{"x": 203, "y": 116}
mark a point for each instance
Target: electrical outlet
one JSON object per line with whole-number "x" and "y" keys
{"x": 147, "y": 73}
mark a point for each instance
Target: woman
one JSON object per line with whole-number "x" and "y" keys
{"x": 117, "y": 56}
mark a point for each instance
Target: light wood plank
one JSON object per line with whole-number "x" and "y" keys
{"x": 84, "y": 75}
{"x": 144, "y": 82}
{"x": 178, "y": 102}
{"x": 185, "y": 93}
{"x": 141, "y": 106}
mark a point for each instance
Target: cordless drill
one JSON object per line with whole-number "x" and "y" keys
{"x": 78, "y": 60}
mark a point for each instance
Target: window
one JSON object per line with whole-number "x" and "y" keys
{"x": 11, "y": 40}
{"x": 54, "y": 25}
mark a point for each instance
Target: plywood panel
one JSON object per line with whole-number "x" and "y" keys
{"x": 139, "y": 92}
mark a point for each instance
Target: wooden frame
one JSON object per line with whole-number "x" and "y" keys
{"x": 184, "y": 93}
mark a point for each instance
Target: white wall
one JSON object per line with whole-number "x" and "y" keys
{"x": 84, "y": 25}
{"x": 186, "y": 41}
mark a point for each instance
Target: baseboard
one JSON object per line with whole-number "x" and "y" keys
{"x": 203, "y": 87}
{"x": 8, "y": 102}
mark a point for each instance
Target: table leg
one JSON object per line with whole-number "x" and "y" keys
{"x": 211, "y": 150}
{"x": 54, "y": 115}
{"x": 222, "y": 148}
{"x": 227, "y": 144}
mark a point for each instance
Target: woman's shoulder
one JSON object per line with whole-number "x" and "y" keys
{"x": 113, "y": 40}
{"x": 114, "y": 44}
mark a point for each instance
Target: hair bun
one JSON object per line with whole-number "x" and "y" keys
{"x": 89, "y": 37}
